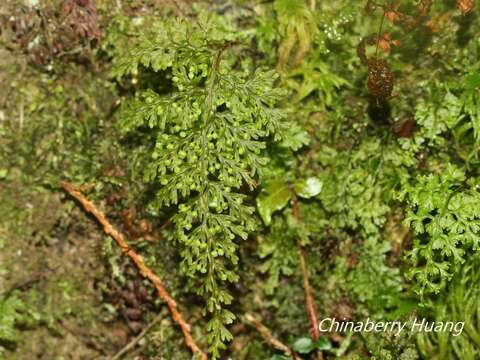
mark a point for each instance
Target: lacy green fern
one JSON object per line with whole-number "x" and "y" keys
{"x": 460, "y": 303}
{"x": 443, "y": 214}
{"x": 207, "y": 144}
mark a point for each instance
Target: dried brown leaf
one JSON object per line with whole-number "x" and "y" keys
{"x": 465, "y": 6}
{"x": 380, "y": 79}
{"x": 392, "y": 16}
{"x": 424, "y": 7}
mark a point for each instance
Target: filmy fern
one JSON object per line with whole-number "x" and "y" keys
{"x": 443, "y": 214}
{"x": 460, "y": 303}
{"x": 207, "y": 145}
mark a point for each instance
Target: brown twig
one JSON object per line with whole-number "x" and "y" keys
{"x": 135, "y": 341}
{"x": 138, "y": 260}
{"x": 267, "y": 335}
{"x": 379, "y": 33}
{"x": 309, "y": 301}
{"x": 23, "y": 285}
{"x": 85, "y": 338}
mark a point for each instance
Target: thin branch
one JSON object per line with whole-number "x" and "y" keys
{"x": 267, "y": 335}
{"x": 309, "y": 301}
{"x": 85, "y": 338}
{"x": 139, "y": 262}
{"x": 379, "y": 32}
{"x": 23, "y": 285}
{"x": 135, "y": 340}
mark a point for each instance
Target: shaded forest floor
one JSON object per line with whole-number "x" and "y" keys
{"x": 64, "y": 293}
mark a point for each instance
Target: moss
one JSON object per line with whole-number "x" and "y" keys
{"x": 65, "y": 283}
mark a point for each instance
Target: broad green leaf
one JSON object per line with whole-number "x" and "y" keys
{"x": 303, "y": 345}
{"x": 273, "y": 197}
{"x": 309, "y": 187}
{"x": 322, "y": 344}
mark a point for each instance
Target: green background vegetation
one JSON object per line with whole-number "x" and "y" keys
{"x": 225, "y": 139}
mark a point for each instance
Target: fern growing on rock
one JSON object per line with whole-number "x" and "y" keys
{"x": 205, "y": 144}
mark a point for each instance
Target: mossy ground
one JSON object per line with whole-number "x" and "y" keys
{"x": 71, "y": 293}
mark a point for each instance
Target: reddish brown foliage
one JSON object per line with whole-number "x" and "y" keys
{"x": 78, "y": 25}
{"x": 406, "y": 128}
{"x": 47, "y": 33}
{"x": 380, "y": 79}
{"x": 465, "y": 6}
{"x": 424, "y": 7}
{"x": 385, "y": 42}
{"x": 361, "y": 50}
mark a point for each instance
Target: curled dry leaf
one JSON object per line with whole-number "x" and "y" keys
{"x": 391, "y": 12}
{"x": 361, "y": 50}
{"x": 465, "y": 6}
{"x": 406, "y": 128}
{"x": 380, "y": 79}
{"x": 407, "y": 21}
{"x": 392, "y": 16}
{"x": 385, "y": 43}
{"x": 424, "y": 7}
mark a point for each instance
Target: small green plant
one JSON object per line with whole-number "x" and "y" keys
{"x": 263, "y": 157}
{"x": 207, "y": 138}
{"x": 10, "y": 314}
{"x": 459, "y": 304}
{"x": 443, "y": 214}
